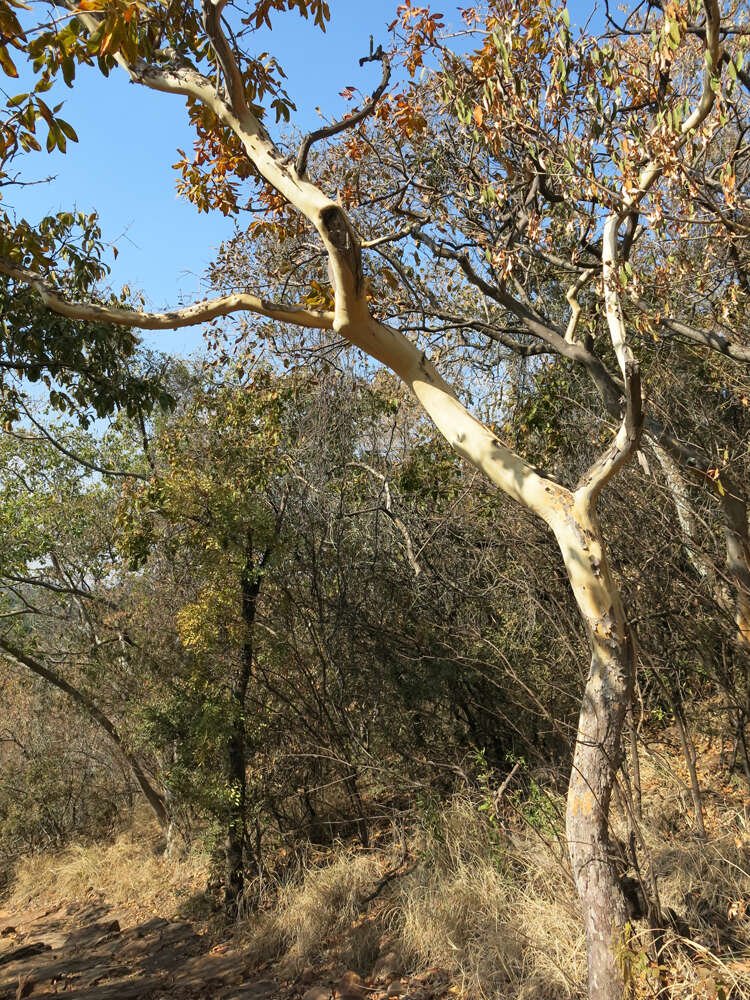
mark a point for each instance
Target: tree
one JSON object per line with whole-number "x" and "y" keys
{"x": 60, "y": 618}
{"x": 585, "y": 144}
{"x": 225, "y": 517}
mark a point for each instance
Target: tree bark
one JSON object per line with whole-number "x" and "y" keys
{"x": 236, "y": 846}
{"x": 734, "y": 509}
{"x": 598, "y": 749}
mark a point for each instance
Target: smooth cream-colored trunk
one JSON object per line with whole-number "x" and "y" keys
{"x": 572, "y": 517}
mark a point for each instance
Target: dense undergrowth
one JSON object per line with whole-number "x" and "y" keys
{"x": 477, "y": 888}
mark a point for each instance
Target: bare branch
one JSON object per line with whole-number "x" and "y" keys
{"x": 535, "y": 324}
{"x": 79, "y": 458}
{"x": 354, "y": 119}
{"x": 199, "y": 312}
{"x": 400, "y": 234}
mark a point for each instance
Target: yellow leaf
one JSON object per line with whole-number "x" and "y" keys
{"x": 7, "y": 63}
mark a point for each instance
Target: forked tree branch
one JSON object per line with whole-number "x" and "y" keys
{"x": 626, "y": 440}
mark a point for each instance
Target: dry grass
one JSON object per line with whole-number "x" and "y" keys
{"x": 706, "y": 884}
{"x": 496, "y": 910}
{"x": 131, "y": 873}
{"x": 319, "y": 914}
{"x": 500, "y": 916}
{"x": 501, "y": 922}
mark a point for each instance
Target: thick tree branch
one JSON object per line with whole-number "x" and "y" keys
{"x": 712, "y": 339}
{"x": 232, "y": 77}
{"x": 200, "y": 312}
{"x": 623, "y": 446}
{"x": 352, "y": 319}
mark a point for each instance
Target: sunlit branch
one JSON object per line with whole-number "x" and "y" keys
{"x": 199, "y": 312}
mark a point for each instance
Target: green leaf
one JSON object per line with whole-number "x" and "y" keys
{"x": 68, "y": 130}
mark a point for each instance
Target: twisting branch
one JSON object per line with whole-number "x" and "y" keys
{"x": 388, "y": 509}
{"x": 199, "y": 312}
{"x": 367, "y": 108}
{"x": 622, "y": 447}
{"x": 626, "y": 440}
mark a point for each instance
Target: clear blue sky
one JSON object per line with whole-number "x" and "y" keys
{"x": 122, "y": 165}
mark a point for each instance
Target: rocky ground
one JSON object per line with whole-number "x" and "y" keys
{"x": 91, "y": 951}
{"x": 85, "y": 951}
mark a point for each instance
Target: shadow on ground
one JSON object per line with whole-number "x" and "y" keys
{"x": 80, "y": 951}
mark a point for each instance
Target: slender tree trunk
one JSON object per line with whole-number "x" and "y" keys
{"x": 688, "y": 752}
{"x": 154, "y": 799}
{"x": 236, "y": 833}
{"x": 598, "y": 749}
{"x": 674, "y": 695}
{"x": 236, "y": 845}
{"x": 635, "y": 762}
{"x": 734, "y": 508}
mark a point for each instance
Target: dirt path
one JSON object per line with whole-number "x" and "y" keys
{"x": 80, "y": 950}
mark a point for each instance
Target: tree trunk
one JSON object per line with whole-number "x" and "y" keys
{"x": 598, "y": 748}
{"x": 688, "y": 752}
{"x": 236, "y": 834}
{"x": 738, "y": 558}
{"x": 236, "y": 847}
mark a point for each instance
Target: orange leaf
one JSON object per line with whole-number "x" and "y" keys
{"x": 478, "y": 116}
